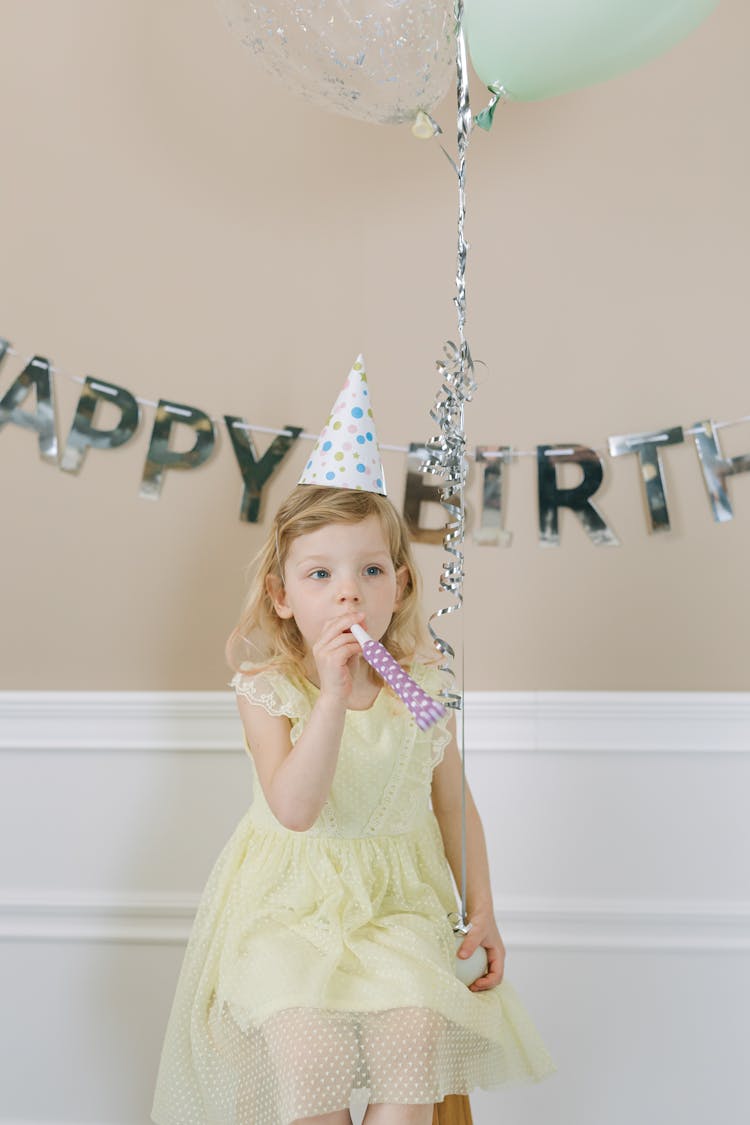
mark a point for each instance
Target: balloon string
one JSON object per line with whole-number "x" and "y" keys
{"x": 463, "y": 800}
{"x": 462, "y": 140}
{"x": 463, "y": 131}
{"x": 446, "y": 452}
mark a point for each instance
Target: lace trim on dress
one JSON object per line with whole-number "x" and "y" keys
{"x": 274, "y": 692}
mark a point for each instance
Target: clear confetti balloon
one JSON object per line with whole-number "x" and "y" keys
{"x": 376, "y": 60}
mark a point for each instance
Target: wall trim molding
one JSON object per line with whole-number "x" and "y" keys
{"x": 496, "y": 722}
{"x": 551, "y": 925}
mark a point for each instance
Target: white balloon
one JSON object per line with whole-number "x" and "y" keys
{"x": 376, "y": 60}
{"x": 469, "y": 969}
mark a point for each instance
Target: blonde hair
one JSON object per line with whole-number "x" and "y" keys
{"x": 306, "y": 509}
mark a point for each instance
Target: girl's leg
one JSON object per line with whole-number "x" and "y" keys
{"x": 341, "y": 1117}
{"x": 309, "y": 1049}
{"x": 386, "y": 1113}
{"x": 402, "y": 1047}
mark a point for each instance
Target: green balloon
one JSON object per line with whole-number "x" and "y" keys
{"x": 538, "y": 48}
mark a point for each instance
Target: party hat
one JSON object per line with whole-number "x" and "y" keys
{"x": 346, "y": 454}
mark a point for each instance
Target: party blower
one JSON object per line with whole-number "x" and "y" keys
{"x": 423, "y": 707}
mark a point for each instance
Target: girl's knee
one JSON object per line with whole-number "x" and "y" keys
{"x": 388, "y": 1113}
{"x": 340, "y": 1117}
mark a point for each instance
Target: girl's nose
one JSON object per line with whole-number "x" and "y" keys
{"x": 348, "y": 592}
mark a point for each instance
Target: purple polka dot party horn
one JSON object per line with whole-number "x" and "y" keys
{"x": 423, "y": 707}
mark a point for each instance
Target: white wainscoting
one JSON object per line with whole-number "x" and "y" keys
{"x": 619, "y": 839}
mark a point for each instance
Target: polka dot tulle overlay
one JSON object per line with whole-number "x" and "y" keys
{"x": 321, "y": 962}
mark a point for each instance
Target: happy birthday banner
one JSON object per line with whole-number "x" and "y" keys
{"x": 255, "y": 470}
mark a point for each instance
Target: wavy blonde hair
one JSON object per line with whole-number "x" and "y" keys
{"x": 306, "y": 509}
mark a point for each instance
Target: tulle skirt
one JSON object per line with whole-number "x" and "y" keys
{"x": 321, "y": 965}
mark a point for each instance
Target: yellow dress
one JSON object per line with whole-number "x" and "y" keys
{"x": 321, "y": 962}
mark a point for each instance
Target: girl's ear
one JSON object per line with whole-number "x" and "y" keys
{"x": 277, "y": 593}
{"x": 402, "y": 577}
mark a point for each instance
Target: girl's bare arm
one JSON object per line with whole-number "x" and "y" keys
{"x": 446, "y": 804}
{"x": 297, "y": 779}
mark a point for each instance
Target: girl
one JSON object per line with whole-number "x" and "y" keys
{"x": 321, "y": 959}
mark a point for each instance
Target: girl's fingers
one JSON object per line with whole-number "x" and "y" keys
{"x": 338, "y": 646}
{"x": 489, "y": 980}
{"x": 344, "y": 645}
{"x": 472, "y": 941}
{"x": 467, "y": 947}
{"x": 494, "y": 973}
{"x": 338, "y": 627}
{"x": 334, "y": 654}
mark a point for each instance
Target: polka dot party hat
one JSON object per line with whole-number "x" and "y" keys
{"x": 346, "y": 454}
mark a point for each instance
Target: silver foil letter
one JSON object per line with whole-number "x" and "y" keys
{"x": 35, "y": 374}
{"x": 551, "y": 498}
{"x": 716, "y": 468}
{"x": 160, "y": 456}
{"x": 418, "y": 492}
{"x": 84, "y": 435}
{"x": 652, "y": 471}
{"x": 256, "y": 471}
{"x": 491, "y": 530}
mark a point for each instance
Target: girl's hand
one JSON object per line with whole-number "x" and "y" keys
{"x": 484, "y": 932}
{"x": 335, "y": 653}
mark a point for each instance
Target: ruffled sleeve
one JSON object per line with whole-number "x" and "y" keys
{"x": 272, "y": 690}
{"x": 429, "y": 677}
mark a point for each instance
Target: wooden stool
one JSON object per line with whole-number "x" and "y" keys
{"x": 453, "y": 1110}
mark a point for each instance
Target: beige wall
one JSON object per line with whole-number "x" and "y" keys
{"x": 176, "y": 223}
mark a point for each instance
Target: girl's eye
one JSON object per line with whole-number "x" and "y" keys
{"x": 373, "y": 570}
{"x": 321, "y": 572}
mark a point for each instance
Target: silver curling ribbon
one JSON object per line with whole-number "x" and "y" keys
{"x": 417, "y": 493}
{"x": 716, "y": 468}
{"x": 446, "y": 458}
{"x": 36, "y": 376}
{"x": 256, "y": 470}
{"x": 491, "y": 530}
{"x": 446, "y": 450}
{"x": 647, "y": 446}
{"x": 84, "y": 435}
{"x": 161, "y": 457}
{"x": 552, "y": 497}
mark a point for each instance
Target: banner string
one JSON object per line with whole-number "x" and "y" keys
{"x": 509, "y": 455}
